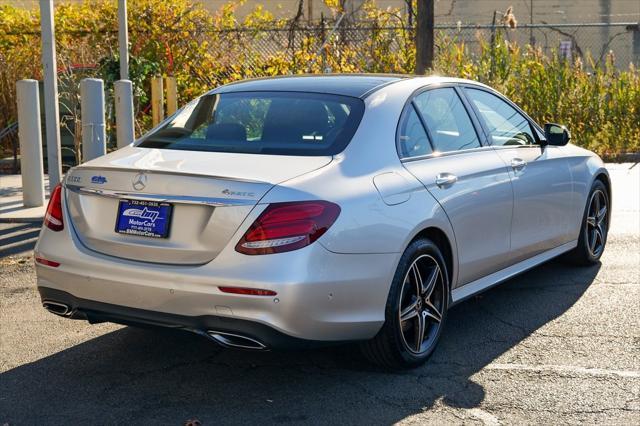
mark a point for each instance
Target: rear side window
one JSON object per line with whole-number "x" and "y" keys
{"x": 447, "y": 121}
{"x": 505, "y": 124}
{"x": 413, "y": 141}
{"x": 285, "y": 123}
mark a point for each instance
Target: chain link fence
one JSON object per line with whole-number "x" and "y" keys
{"x": 249, "y": 46}
{"x": 353, "y": 46}
{"x": 620, "y": 41}
{"x": 568, "y": 40}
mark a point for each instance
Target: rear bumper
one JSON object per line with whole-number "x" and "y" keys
{"x": 97, "y": 312}
{"x": 321, "y": 296}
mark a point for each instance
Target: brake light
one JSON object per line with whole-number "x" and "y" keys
{"x": 283, "y": 227}
{"x": 53, "y": 216}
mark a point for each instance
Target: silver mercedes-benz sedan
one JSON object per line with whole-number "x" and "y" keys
{"x": 296, "y": 211}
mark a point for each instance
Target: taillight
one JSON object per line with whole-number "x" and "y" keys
{"x": 284, "y": 227}
{"x": 53, "y": 216}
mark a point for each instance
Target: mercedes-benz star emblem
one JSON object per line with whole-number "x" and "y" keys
{"x": 139, "y": 181}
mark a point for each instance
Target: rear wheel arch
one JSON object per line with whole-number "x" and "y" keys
{"x": 408, "y": 313}
{"x": 440, "y": 239}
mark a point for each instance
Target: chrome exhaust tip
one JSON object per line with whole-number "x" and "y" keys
{"x": 231, "y": 340}
{"x": 57, "y": 308}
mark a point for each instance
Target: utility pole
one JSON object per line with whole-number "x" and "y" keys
{"x": 123, "y": 39}
{"x": 51, "y": 108}
{"x": 425, "y": 35}
{"x": 123, "y": 88}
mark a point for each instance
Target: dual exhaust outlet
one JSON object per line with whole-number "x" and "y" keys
{"x": 237, "y": 341}
{"x": 223, "y": 338}
{"x": 58, "y": 308}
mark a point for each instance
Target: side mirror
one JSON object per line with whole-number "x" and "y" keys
{"x": 556, "y": 134}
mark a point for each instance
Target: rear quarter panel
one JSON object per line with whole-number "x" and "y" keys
{"x": 367, "y": 222}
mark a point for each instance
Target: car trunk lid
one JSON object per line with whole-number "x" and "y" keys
{"x": 210, "y": 196}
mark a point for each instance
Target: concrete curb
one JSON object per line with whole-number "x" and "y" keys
{"x": 22, "y": 220}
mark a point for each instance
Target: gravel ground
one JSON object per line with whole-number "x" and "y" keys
{"x": 558, "y": 344}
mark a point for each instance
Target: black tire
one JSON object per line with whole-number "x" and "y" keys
{"x": 393, "y": 347}
{"x": 584, "y": 254}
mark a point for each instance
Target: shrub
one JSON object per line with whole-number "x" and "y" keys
{"x": 601, "y": 107}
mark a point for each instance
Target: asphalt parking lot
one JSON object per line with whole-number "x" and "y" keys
{"x": 558, "y": 344}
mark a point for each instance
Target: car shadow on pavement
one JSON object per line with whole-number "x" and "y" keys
{"x": 18, "y": 238}
{"x": 157, "y": 376}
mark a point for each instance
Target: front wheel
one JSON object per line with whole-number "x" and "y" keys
{"x": 594, "y": 228}
{"x": 416, "y": 309}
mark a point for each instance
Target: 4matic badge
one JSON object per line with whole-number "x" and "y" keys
{"x": 238, "y": 193}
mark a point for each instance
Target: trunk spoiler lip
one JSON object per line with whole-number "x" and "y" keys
{"x": 164, "y": 172}
{"x": 176, "y": 199}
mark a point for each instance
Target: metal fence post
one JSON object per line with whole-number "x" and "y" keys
{"x": 123, "y": 91}
{"x": 92, "y": 116}
{"x": 30, "y": 143}
{"x": 636, "y": 43}
{"x": 157, "y": 101}
{"x": 493, "y": 44}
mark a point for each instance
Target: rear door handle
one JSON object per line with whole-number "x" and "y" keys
{"x": 446, "y": 179}
{"x": 518, "y": 164}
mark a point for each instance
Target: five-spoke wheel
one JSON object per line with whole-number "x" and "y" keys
{"x": 595, "y": 226}
{"x": 416, "y": 309}
{"x": 597, "y": 222}
{"x": 421, "y": 304}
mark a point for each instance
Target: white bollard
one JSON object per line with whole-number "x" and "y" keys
{"x": 92, "y": 115}
{"x": 30, "y": 143}
{"x": 123, "y": 90}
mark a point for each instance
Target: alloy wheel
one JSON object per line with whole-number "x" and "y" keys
{"x": 597, "y": 223}
{"x": 421, "y": 304}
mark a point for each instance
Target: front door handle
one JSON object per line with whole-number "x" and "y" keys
{"x": 446, "y": 179}
{"x": 518, "y": 164}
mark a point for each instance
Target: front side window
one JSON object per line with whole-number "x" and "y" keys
{"x": 447, "y": 121}
{"x": 505, "y": 124}
{"x": 284, "y": 123}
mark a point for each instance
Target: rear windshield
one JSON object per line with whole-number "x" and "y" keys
{"x": 284, "y": 123}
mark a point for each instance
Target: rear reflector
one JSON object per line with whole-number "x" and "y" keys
{"x": 248, "y": 291}
{"x": 53, "y": 215}
{"x": 46, "y": 262}
{"x": 283, "y": 227}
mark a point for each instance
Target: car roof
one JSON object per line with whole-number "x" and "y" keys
{"x": 354, "y": 85}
